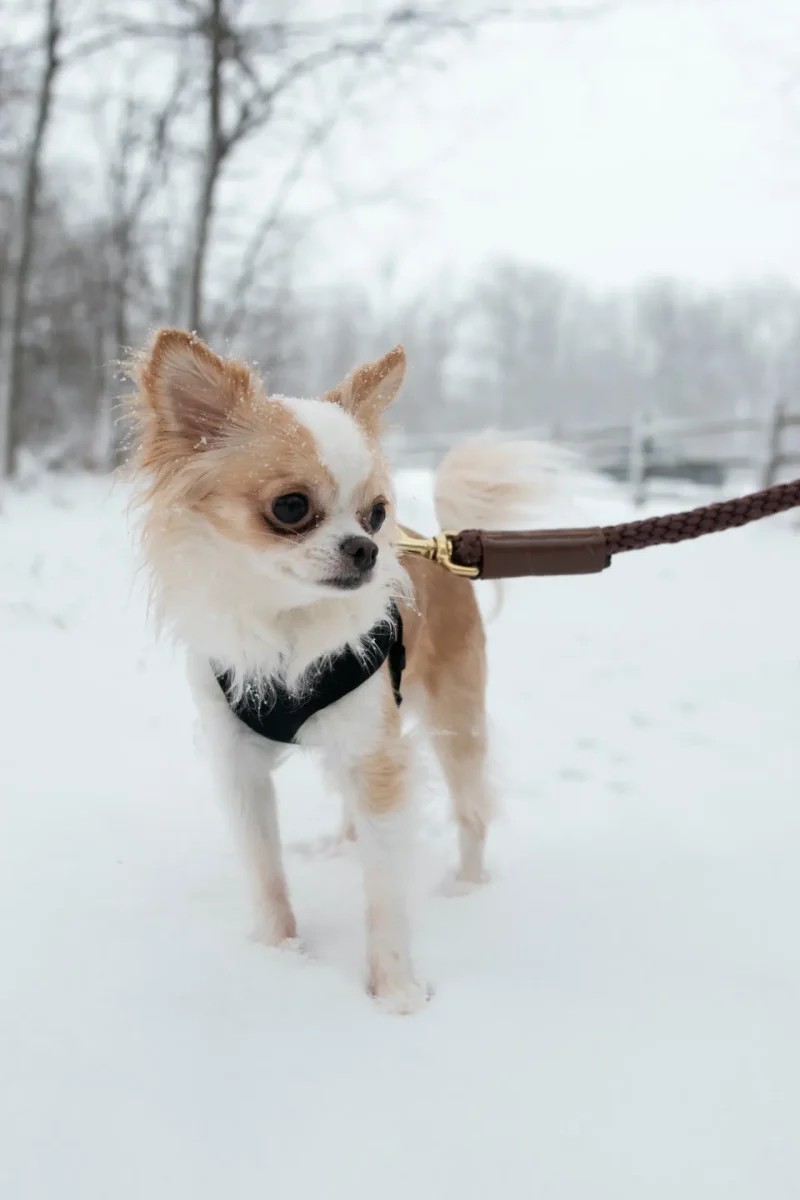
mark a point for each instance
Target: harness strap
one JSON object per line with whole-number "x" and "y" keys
{"x": 282, "y": 715}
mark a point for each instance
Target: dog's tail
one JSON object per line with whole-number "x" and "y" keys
{"x": 488, "y": 484}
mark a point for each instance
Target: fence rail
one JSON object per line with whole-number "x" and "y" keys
{"x": 641, "y": 451}
{"x": 649, "y": 447}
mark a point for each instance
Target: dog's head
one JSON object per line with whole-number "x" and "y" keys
{"x": 291, "y": 495}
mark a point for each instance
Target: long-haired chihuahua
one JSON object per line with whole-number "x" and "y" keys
{"x": 269, "y": 530}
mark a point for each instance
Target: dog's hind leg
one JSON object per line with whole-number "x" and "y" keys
{"x": 458, "y": 732}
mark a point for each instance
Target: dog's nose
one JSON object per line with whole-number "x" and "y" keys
{"x": 362, "y": 551}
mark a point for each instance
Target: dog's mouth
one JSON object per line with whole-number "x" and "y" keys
{"x": 350, "y": 582}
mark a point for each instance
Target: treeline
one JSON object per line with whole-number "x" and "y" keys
{"x": 123, "y": 130}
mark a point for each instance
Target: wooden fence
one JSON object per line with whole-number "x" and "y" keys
{"x": 699, "y": 451}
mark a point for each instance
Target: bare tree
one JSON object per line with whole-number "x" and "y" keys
{"x": 13, "y": 114}
{"x": 255, "y": 66}
{"x": 265, "y": 62}
{"x": 139, "y": 161}
{"x": 10, "y": 396}
{"x": 88, "y": 281}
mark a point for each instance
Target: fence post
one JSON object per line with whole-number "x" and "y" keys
{"x": 772, "y": 449}
{"x": 638, "y": 455}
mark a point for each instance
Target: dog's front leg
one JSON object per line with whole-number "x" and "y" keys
{"x": 258, "y": 810}
{"x": 376, "y": 790}
{"x": 243, "y": 765}
{"x": 246, "y": 776}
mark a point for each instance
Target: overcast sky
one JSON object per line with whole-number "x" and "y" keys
{"x": 664, "y": 138}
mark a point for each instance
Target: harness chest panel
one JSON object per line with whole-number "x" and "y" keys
{"x": 281, "y": 717}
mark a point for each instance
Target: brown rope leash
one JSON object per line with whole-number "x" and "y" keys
{"x": 477, "y": 553}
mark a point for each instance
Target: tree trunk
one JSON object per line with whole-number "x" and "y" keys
{"x": 121, "y": 340}
{"x": 101, "y": 451}
{"x": 215, "y": 152}
{"x": 12, "y": 399}
{"x": 108, "y": 346}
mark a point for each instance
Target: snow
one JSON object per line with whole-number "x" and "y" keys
{"x": 615, "y": 1014}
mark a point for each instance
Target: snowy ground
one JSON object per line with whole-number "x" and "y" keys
{"x": 616, "y": 1014}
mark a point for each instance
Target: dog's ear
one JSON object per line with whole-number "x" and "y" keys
{"x": 371, "y": 388}
{"x": 191, "y": 391}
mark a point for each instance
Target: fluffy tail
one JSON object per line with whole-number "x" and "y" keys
{"x": 497, "y": 485}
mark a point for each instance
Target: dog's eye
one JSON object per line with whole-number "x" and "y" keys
{"x": 290, "y": 509}
{"x": 377, "y": 516}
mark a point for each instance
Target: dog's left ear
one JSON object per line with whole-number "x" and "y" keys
{"x": 193, "y": 394}
{"x": 371, "y": 388}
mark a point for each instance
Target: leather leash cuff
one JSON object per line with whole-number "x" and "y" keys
{"x": 541, "y": 552}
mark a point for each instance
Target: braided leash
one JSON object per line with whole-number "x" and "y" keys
{"x": 713, "y": 518}
{"x": 476, "y": 553}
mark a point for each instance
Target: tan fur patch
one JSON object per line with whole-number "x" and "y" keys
{"x": 369, "y": 390}
{"x": 383, "y": 772}
{"x": 187, "y": 397}
{"x": 214, "y": 442}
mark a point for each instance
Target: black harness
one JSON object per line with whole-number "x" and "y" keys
{"x": 281, "y": 717}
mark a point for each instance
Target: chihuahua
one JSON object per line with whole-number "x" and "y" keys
{"x": 269, "y": 531}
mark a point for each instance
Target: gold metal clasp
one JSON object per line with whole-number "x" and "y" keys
{"x": 438, "y": 549}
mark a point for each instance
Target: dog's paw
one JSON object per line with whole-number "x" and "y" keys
{"x": 292, "y": 949}
{"x": 332, "y": 845}
{"x": 401, "y": 999}
{"x": 285, "y": 940}
{"x": 460, "y": 885}
{"x": 292, "y": 946}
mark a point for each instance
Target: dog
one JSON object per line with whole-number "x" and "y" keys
{"x": 268, "y": 527}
